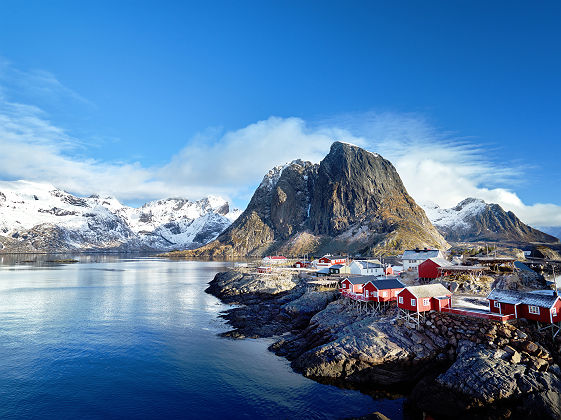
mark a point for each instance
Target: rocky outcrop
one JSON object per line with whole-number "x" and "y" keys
{"x": 491, "y": 383}
{"x": 475, "y": 220}
{"x": 352, "y": 201}
{"x": 457, "y": 366}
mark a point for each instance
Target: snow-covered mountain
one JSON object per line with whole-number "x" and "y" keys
{"x": 40, "y": 217}
{"x": 475, "y": 220}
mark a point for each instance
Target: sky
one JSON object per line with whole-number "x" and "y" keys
{"x": 149, "y": 99}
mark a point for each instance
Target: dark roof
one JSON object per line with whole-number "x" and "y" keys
{"x": 337, "y": 266}
{"x": 361, "y": 279}
{"x": 543, "y": 300}
{"x": 335, "y": 257}
{"x": 323, "y": 270}
{"x": 385, "y": 284}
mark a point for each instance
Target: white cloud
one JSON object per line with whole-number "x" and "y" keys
{"x": 434, "y": 165}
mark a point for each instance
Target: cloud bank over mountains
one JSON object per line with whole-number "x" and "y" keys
{"x": 435, "y": 166}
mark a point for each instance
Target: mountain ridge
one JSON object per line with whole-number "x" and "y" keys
{"x": 474, "y": 220}
{"x": 36, "y": 217}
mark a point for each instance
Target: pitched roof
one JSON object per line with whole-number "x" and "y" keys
{"x": 514, "y": 297}
{"x": 361, "y": 279}
{"x": 323, "y": 270}
{"x": 367, "y": 264}
{"x": 428, "y": 290}
{"x": 441, "y": 262}
{"x": 385, "y": 284}
{"x": 420, "y": 254}
{"x": 337, "y": 266}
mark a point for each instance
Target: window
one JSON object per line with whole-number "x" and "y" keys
{"x": 497, "y": 304}
{"x": 426, "y": 302}
{"x": 413, "y": 302}
{"x": 534, "y": 310}
{"x": 366, "y": 293}
{"x": 554, "y": 311}
{"x": 384, "y": 294}
{"x": 400, "y": 299}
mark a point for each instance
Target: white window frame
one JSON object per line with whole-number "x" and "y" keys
{"x": 414, "y": 302}
{"x": 384, "y": 294}
{"x": 554, "y": 311}
{"x": 497, "y": 304}
{"x": 426, "y": 301}
{"x": 365, "y": 292}
{"x": 400, "y": 299}
{"x": 535, "y": 310}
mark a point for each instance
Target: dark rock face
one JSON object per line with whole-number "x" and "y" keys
{"x": 481, "y": 221}
{"x": 353, "y": 201}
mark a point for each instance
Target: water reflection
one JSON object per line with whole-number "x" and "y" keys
{"x": 136, "y": 338}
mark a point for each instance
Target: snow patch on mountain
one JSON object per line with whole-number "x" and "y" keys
{"x": 31, "y": 211}
{"x": 455, "y": 217}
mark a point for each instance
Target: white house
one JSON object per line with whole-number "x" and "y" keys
{"x": 367, "y": 268}
{"x": 413, "y": 257}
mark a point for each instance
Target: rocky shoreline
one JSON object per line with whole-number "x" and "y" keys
{"x": 451, "y": 366}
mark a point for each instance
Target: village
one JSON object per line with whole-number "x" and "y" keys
{"x": 428, "y": 280}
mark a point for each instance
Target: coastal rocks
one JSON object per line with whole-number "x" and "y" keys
{"x": 456, "y": 366}
{"x": 484, "y": 380}
{"x": 341, "y": 344}
{"x": 237, "y": 283}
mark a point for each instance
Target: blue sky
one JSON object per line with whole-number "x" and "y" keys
{"x": 151, "y": 94}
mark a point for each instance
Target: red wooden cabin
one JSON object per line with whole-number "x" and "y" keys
{"x": 429, "y": 297}
{"x": 543, "y": 306}
{"x": 428, "y": 269}
{"x": 382, "y": 290}
{"x": 264, "y": 269}
{"x": 353, "y": 284}
{"x": 332, "y": 260}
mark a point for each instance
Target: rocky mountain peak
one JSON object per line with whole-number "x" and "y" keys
{"x": 352, "y": 200}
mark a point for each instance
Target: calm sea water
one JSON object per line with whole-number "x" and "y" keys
{"x": 137, "y": 338}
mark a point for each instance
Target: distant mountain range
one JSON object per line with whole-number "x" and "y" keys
{"x": 37, "y": 217}
{"x": 352, "y": 201}
{"x": 475, "y": 220}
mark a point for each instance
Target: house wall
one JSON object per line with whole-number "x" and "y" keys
{"x": 544, "y": 315}
{"x": 428, "y": 269}
{"x": 557, "y": 306}
{"x": 492, "y": 306}
{"x": 346, "y": 285}
{"x": 407, "y": 296}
